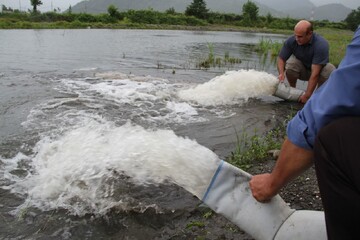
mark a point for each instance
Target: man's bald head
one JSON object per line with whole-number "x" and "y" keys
{"x": 304, "y": 26}
{"x": 303, "y": 32}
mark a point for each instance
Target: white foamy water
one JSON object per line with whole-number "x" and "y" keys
{"x": 231, "y": 88}
{"x": 145, "y": 97}
{"x": 156, "y": 101}
{"x": 75, "y": 171}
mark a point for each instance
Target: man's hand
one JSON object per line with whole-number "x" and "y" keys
{"x": 312, "y": 83}
{"x": 304, "y": 98}
{"x": 281, "y": 77}
{"x": 281, "y": 69}
{"x": 292, "y": 161}
{"x": 261, "y": 187}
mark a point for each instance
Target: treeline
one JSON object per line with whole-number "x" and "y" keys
{"x": 115, "y": 18}
{"x": 17, "y": 19}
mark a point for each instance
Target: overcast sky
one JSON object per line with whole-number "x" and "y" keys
{"x": 353, "y": 4}
{"x": 49, "y": 5}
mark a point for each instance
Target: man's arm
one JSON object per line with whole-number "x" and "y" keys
{"x": 292, "y": 161}
{"x": 312, "y": 83}
{"x": 281, "y": 68}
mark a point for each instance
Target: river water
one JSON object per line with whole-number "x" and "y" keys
{"x": 111, "y": 133}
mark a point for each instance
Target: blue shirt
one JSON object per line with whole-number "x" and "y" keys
{"x": 316, "y": 51}
{"x": 338, "y": 97}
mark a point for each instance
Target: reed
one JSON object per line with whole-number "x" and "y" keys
{"x": 268, "y": 46}
{"x": 215, "y": 61}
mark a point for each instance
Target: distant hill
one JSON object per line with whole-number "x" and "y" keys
{"x": 332, "y": 12}
{"x": 285, "y": 5}
{"x": 292, "y": 8}
{"x": 97, "y": 6}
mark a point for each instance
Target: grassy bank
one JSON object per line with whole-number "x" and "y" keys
{"x": 338, "y": 40}
{"x": 252, "y": 147}
{"x": 10, "y": 23}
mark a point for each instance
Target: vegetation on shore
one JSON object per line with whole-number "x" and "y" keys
{"x": 196, "y": 14}
{"x": 253, "y": 148}
{"x": 338, "y": 41}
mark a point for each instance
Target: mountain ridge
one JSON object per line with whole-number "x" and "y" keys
{"x": 278, "y": 8}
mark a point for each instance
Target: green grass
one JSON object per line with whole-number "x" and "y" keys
{"x": 266, "y": 46}
{"x": 195, "y": 224}
{"x": 253, "y": 148}
{"x": 215, "y": 61}
{"x": 338, "y": 41}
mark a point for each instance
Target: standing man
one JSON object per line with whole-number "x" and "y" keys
{"x": 305, "y": 56}
{"x": 326, "y": 132}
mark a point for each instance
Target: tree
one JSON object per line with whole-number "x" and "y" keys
{"x": 113, "y": 11}
{"x": 171, "y": 11}
{"x": 197, "y": 9}
{"x": 353, "y": 19}
{"x": 6, "y": 9}
{"x": 250, "y": 12}
{"x": 269, "y": 18}
{"x": 35, "y": 4}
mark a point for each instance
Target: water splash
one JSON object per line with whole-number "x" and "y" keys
{"x": 80, "y": 170}
{"x": 233, "y": 87}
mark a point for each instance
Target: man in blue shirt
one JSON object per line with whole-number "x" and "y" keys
{"x": 305, "y": 56}
{"x": 326, "y": 132}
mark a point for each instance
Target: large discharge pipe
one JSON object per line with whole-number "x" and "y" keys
{"x": 229, "y": 195}
{"x": 288, "y": 93}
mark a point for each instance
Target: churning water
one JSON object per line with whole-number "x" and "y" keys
{"x": 80, "y": 155}
{"x": 231, "y": 88}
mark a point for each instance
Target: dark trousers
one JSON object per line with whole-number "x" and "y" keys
{"x": 337, "y": 164}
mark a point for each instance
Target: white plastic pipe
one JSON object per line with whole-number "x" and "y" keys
{"x": 229, "y": 195}
{"x": 288, "y": 93}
